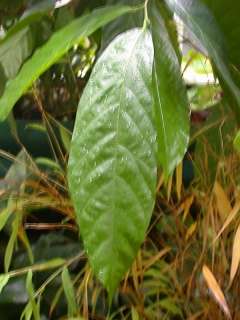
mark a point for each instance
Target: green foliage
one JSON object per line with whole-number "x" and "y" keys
{"x": 52, "y": 51}
{"x": 201, "y": 22}
{"x": 69, "y": 293}
{"x": 171, "y": 109}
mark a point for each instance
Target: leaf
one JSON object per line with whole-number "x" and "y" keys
{"x": 14, "y": 50}
{"x": 30, "y": 290}
{"x": 236, "y": 142}
{"x": 4, "y": 216}
{"x": 229, "y": 24}
{"x": 216, "y": 290}
{"x": 235, "y": 255}
{"x": 223, "y": 204}
{"x": 66, "y": 137}
{"x": 112, "y": 164}
{"x": 4, "y": 278}
{"x": 200, "y": 20}
{"x": 49, "y": 163}
{"x": 27, "y": 312}
{"x": 170, "y": 306}
{"x": 11, "y": 242}
{"x": 170, "y": 98}
{"x": 60, "y": 42}
{"x": 134, "y": 314}
{"x": 235, "y": 210}
{"x": 69, "y": 293}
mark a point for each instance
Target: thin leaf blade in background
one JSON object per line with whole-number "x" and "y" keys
{"x": 11, "y": 243}
{"x": 4, "y": 278}
{"x": 33, "y": 305}
{"x": 4, "y": 216}
{"x": 223, "y": 203}
{"x": 69, "y": 293}
{"x": 112, "y": 164}
{"x": 235, "y": 255}
{"x": 216, "y": 290}
{"x": 170, "y": 97}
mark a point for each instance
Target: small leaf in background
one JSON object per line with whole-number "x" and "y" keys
{"x": 69, "y": 293}
{"x": 66, "y": 138}
{"x": 60, "y": 42}
{"x": 4, "y": 278}
{"x": 49, "y": 163}
{"x": 223, "y": 204}
{"x": 14, "y": 51}
{"x": 4, "y": 216}
{"x": 170, "y": 306}
{"x": 112, "y": 168}
{"x": 134, "y": 314}
{"x": 191, "y": 230}
{"x": 170, "y": 96}
{"x": 229, "y": 219}
{"x": 179, "y": 178}
{"x": 32, "y": 302}
{"x": 215, "y": 290}
{"x": 236, "y": 142}
{"x": 235, "y": 255}
{"x": 27, "y": 312}
{"x": 12, "y": 241}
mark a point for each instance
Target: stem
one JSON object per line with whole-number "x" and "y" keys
{"x": 146, "y": 18}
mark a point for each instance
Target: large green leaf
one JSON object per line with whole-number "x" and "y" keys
{"x": 201, "y": 21}
{"x": 50, "y": 52}
{"x": 170, "y": 98}
{"x": 112, "y": 165}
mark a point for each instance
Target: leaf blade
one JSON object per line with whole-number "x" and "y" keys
{"x": 215, "y": 290}
{"x": 171, "y": 110}
{"x": 235, "y": 255}
{"x": 69, "y": 293}
{"x": 112, "y": 164}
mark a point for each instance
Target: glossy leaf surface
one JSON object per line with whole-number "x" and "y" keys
{"x": 170, "y": 98}
{"x": 201, "y": 21}
{"x": 112, "y": 166}
{"x": 49, "y": 53}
